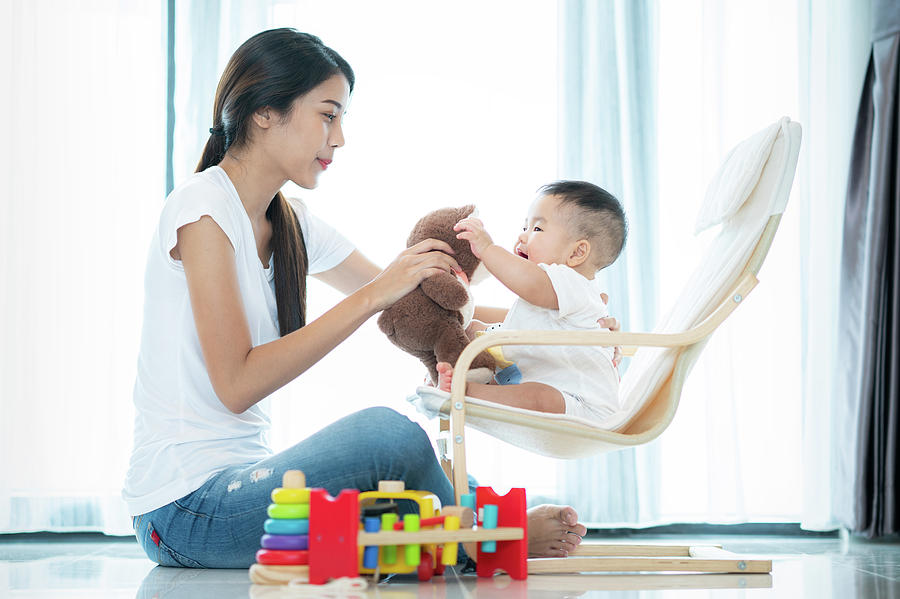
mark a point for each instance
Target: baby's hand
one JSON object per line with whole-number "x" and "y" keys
{"x": 473, "y": 232}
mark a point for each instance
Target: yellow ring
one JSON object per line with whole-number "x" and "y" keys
{"x": 283, "y": 496}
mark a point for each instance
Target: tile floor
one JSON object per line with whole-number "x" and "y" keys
{"x": 829, "y": 567}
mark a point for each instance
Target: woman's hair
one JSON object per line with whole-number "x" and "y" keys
{"x": 273, "y": 68}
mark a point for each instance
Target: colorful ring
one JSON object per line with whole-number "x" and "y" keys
{"x": 282, "y": 496}
{"x": 287, "y": 527}
{"x": 273, "y": 557}
{"x": 289, "y": 542}
{"x": 288, "y": 510}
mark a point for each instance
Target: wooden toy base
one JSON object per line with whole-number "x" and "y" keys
{"x": 261, "y": 574}
{"x": 590, "y": 557}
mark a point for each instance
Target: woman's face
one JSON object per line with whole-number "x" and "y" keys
{"x": 304, "y": 145}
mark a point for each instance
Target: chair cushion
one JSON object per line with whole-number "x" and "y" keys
{"x": 736, "y": 178}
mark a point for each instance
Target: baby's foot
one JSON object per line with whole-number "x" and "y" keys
{"x": 445, "y": 376}
{"x": 553, "y": 531}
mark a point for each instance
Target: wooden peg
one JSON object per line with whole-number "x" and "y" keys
{"x": 391, "y": 486}
{"x": 466, "y": 515}
{"x": 293, "y": 479}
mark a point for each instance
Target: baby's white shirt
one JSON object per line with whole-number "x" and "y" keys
{"x": 584, "y": 374}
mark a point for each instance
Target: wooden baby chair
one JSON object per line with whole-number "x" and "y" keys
{"x": 747, "y": 197}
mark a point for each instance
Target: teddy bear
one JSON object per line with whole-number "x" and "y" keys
{"x": 430, "y": 321}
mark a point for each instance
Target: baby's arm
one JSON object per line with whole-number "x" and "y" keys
{"x": 529, "y": 396}
{"x": 490, "y": 314}
{"x": 524, "y": 278}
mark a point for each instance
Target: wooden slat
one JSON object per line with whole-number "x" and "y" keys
{"x": 708, "y": 552}
{"x": 646, "y": 564}
{"x": 579, "y": 583}
{"x": 439, "y": 536}
{"x": 623, "y": 550}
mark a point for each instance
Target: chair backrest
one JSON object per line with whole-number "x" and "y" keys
{"x": 749, "y": 209}
{"x": 651, "y": 387}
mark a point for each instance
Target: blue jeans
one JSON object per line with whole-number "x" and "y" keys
{"x": 220, "y": 524}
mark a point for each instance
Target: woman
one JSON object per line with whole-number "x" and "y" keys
{"x": 224, "y": 323}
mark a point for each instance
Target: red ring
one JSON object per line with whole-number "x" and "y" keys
{"x": 282, "y": 557}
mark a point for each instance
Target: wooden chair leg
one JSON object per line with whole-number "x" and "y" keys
{"x": 443, "y": 443}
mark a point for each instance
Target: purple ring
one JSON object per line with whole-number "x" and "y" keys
{"x": 289, "y": 542}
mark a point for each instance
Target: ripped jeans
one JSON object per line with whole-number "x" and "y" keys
{"x": 220, "y": 524}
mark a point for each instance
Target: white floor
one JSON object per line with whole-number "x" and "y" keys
{"x": 802, "y": 567}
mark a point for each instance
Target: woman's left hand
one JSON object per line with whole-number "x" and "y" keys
{"x": 613, "y": 325}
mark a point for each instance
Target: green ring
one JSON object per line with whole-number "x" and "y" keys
{"x": 288, "y": 511}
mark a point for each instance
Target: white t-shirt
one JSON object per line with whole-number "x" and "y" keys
{"x": 584, "y": 374}
{"x": 183, "y": 434}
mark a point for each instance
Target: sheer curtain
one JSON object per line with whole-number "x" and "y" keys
{"x": 451, "y": 106}
{"x": 82, "y": 181}
{"x": 608, "y": 135}
{"x": 835, "y": 42}
{"x": 732, "y": 453}
{"x": 725, "y": 70}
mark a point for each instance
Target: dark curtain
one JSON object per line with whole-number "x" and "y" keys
{"x": 870, "y": 270}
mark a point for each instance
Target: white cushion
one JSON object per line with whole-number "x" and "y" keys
{"x": 736, "y": 178}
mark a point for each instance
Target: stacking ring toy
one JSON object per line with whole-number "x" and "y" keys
{"x": 290, "y": 496}
{"x": 274, "y": 557}
{"x": 290, "y": 542}
{"x": 286, "y": 527}
{"x": 288, "y": 510}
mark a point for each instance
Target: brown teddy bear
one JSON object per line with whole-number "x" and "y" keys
{"x": 430, "y": 321}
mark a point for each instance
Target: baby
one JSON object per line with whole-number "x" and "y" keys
{"x": 573, "y": 230}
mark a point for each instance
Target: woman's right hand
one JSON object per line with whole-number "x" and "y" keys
{"x": 411, "y": 267}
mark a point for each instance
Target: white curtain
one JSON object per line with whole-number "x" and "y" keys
{"x": 452, "y": 105}
{"x": 608, "y": 136}
{"x": 753, "y": 438}
{"x": 732, "y": 453}
{"x": 81, "y": 182}
{"x": 835, "y": 41}
{"x": 725, "y": 70}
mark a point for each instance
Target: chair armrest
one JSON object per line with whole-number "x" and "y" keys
{"x": 602, "y": 338}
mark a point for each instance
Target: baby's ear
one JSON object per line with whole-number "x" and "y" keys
{"x": 581, "y": 251}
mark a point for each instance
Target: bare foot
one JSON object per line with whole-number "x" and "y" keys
{"x": 445, "y": 376}
{"x": 553, "y": 531}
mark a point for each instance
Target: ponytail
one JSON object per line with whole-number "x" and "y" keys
{"x": 287, "y": 244}
{"x": 213, "y": 151}
{"x": 291, "y": 265}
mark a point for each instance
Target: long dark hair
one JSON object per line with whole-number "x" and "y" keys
{"x": 272, "y": 69}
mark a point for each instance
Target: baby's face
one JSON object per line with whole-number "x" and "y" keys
{"x": 545, "y": 236}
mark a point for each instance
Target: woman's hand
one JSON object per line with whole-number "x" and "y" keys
{"x": 411, "y": 267}
{"x": 613, "y": 325}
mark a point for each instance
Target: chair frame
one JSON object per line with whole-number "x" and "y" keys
{"x": 653, "y": 418}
